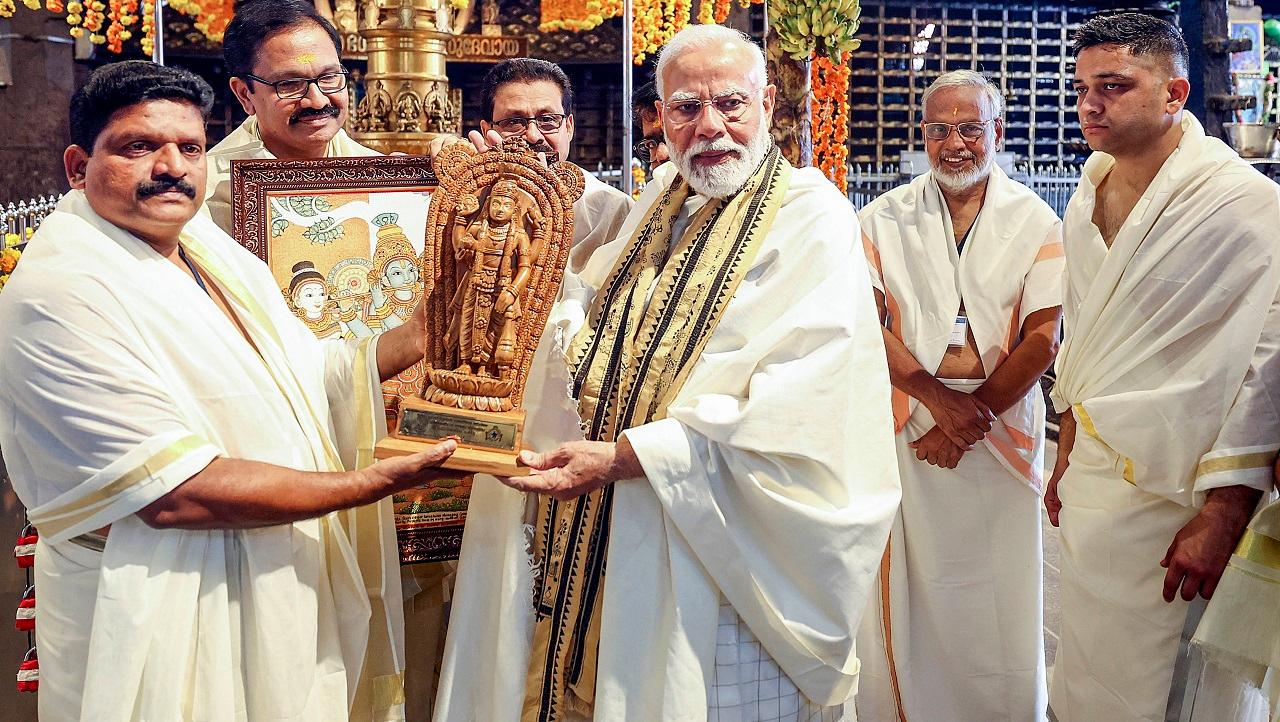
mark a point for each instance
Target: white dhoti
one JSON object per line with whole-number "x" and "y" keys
{"x": 67, "y": 578}
{"x": 1168, "y": 368}
{"x": 960, "y": 595}
{"x": 1114, "y": 619}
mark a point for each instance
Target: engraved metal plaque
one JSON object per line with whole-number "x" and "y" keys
{"x": 423, "y": 424}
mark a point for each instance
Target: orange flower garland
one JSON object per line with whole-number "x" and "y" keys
{"x": 211, "y": 16}
{"x": 646, "y": 29}
{"x": 107, "y": 23}
{"x": 123, "y": 14}
{"x": 93, "y": 18}
{"x": 570, "y": 15}
{"x": 722, "y": 10}
{"x": 830, "y": 82}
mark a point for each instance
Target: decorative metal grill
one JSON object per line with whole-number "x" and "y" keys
{"x": 1023, "y": 47}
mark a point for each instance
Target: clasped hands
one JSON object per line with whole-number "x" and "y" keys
{"x": 961, "y": 420}
{"x": 576, "y": 468}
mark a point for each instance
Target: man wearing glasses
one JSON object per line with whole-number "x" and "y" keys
{"x": 533, "y": 98}
{"x": 707, "y": 550}
{"x": 283, "y": 59}
{"x": 967, "y": 266}
{"x": 652, "y": 147}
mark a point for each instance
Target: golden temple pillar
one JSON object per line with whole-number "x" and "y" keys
{"x": 407, "y": 99}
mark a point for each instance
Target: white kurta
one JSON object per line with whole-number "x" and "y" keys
{"x": 955, "y": 629}
{"x": 122, "y": 380}
{"x": 771, "y": 484}
{"x": 598, "y": 214}
{"x": 244, "y": 143}
{"x": 1171, "y": 339}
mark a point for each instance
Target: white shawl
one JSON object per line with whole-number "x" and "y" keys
{"x": 1011, "y": 267}
{"x": 245, "y": 142}
{"x": 121, "y": 380}
{"x": 772, "y": 483}
{"x": 1170, "y": 356}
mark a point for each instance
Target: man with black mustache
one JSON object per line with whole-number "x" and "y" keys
{"x": 284, "y": 61}
{"x": 188, "y": 450}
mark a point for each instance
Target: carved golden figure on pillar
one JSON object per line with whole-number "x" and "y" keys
{"x": 498, "y": 238}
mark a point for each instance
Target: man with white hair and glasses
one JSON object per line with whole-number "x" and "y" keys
{"x": 967, "y": 266}
{"x": 737, "y": 477}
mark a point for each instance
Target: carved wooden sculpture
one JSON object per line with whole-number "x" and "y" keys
{"x": 498, "y": 238}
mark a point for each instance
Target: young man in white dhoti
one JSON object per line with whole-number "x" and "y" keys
{"x": 533, "y": 99}
{"x": 967, "y": 266}
{"x": 284, "y": 61}
{"x": 187, "y": 448}
{"x": 1169, "y": 424}
{"x": 737, "y": 479}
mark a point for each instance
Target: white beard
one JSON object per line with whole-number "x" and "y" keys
{"x": 727, "y": 178}
{"x": 963, "y": 181}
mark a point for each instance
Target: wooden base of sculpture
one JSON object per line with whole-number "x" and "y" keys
{"x": 489, "y": 441}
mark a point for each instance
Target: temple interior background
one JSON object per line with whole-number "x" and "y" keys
{"x": 1023, "y": 46}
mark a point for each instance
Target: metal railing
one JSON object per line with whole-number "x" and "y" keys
{"x": 23, "y": 215}
{"x": 1053, "y": 183}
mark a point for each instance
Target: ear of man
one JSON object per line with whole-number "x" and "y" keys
{"x": 74, "y": 161}
{"x": 240, "y": 89}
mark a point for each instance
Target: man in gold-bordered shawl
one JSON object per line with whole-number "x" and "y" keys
{"x": 737, "y": 477}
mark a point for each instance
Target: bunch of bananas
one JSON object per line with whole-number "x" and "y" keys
{"x": 806, "y": 27}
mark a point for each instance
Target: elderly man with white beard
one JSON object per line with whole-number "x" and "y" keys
{"x": 737, "y": 476}
{"x": 967, "y": 268}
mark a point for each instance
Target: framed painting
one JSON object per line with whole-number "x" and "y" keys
{"x": 343, "y": 238}
{"x": 1247, "y": 61}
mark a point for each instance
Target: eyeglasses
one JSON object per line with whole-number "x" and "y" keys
{"x": 644, "y": 149}
{"x": 967, "y": 131}
{"x": 731, "y": 106}
{"x": 291, "y": 88}
{"x": 546, "y": 123}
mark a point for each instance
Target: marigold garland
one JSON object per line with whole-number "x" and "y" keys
{"x": 123, "y": 14}
{"x": 9, "y": 253}
{"x": 148, "y": 41}
{"x": 706, "y": 11}
{"x": 830, "y": 83}
{"x": 211, "y": 16}
{"x": 653, "y": 22}
{"x": 113, "y": 24}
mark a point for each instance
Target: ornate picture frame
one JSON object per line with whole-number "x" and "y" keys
{"x": 343, "y": 238}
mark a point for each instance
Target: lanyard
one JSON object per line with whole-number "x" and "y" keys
{"x": 960, "y": 245}
{"x": 200, "y": 281}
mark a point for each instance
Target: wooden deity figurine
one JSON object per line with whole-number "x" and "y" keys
{"x": 494, "y": 257}
{"x": 498, "y": 236}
